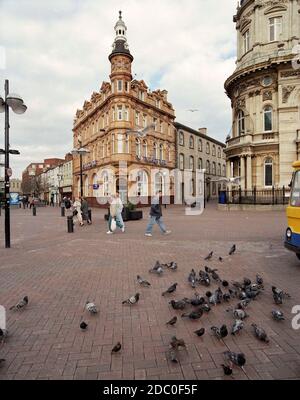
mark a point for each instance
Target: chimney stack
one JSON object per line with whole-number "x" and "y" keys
{"x": 203, "y": 131}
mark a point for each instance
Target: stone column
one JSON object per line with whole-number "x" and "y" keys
{"x": 228, "y": 168}
{"x": 249, "y": 173}
{"x": 243, "y": 175}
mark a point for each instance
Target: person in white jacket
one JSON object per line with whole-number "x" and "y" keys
{"x": 115, "y": 211}
{"x": 77, "y": 210}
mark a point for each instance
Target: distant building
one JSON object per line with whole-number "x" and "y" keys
{"x": 15, "y": 185}
{"x": 197, "y": 150}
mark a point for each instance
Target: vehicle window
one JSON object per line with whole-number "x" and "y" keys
{"x": 295, "y": 195}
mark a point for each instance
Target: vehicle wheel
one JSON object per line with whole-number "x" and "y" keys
{"x": 298, "y": 256}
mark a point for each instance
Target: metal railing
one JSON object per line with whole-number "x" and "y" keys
{"x": 262, "y": 196}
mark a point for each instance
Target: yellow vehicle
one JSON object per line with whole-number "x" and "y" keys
{"x": 292, "y": 236}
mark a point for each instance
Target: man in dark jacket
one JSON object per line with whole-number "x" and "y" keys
{"x": 85, "y": 210}
{"x": 156, "y": 217}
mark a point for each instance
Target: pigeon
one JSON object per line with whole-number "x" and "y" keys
{"x": 178, "y": 304}
{"x": 22, "y": 303}
{"x": 278, "y": 295}
{"x": 220, "y": 333}
{"x": 237, "y": 326}
{"x": 259, "y": 280}
{"x": 142, "y": 281}
{"x": 200, "y": 332}
{"x": 227, "y": 370}
{"x": 238, "y": 359}
{"x": 225, "y": 284}
{"x": 208, "y": 294}
{"x": 243, "y": 304}
{"x": 215, "y": 276}
{"x": 116, "y": 348}
{"x": 3, "y": 334}
{"x": 220, "y": 259}
{"x": 239, "y": 314}
{"x": 157, "y": 269}
{"x": 193, "y": 314}
{"x": 176, "y": 343}
{"x": 226, "y": 297}
{"x": 91, "y": 307}
{"x": 192, "y": 278}
{"x": 197, "y": 301}
{"x": 242, "y": 295}
{"x": 173, "y": 356}
{"x": 209, "y": 256}
{"x": 209, "y": 270}
{"x": 205, "y": 307}
{"x": 278, "y": 315}
{"x": 204, "y": 278}
{"x": 132, "y": 300}
{"x": 172, "y": 265}
{"x": 172, "y": 321}
{"x": 247, "y": 282}
{"x": 260, "y": 333}
{"x": 83, "y": 325}
{"x": 232, "y": 250}
{"x": 171, "y": 289}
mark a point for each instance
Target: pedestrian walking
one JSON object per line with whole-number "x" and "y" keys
{"x": 119, "y": 210}
{"x": 52, "y": 200}
{"x": 156, "y": 216}
{"x": 85, "y": 210}
{"x": 114, "y": 214}
{"x": 77, "y": 211}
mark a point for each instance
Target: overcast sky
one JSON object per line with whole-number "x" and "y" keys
{"x": 55, "y": 55}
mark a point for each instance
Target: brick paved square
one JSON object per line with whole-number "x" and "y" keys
{"x": 61, "y": 271}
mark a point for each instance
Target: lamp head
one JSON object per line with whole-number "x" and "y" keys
{"x": 16, "y": 102}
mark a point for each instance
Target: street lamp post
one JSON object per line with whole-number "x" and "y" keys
{"x": 16, "y": 103}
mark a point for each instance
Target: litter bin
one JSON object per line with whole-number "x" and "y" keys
{"x": 222, "y": 197}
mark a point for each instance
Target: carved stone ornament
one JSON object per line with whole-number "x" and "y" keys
{"x": 267, "y": 95}
{"x": 286, "y": 91}
{"x": 240, "y": 103}
{"x": 287, "y": 74}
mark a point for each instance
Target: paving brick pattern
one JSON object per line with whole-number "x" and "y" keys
{"x": 60, "y": 271}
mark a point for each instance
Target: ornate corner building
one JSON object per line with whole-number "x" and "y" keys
{"x": 105, "y": 127}
{"x": 265, "y": 94}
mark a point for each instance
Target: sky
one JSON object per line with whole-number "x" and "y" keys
{"x": 55, "y": 55}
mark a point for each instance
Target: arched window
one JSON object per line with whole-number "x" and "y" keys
{"x": 142, "y": 183}
{"x": 214, "y": 168}
{"x": 191, "y": 163}
{"x": 268, "y": 172}
{"x": 138, "y": 147}
{"x": 191, "y": 142}
{"x": 127, "y": 150}
{"x": 214, "y": 150}
{"x": 159, "y": 183}
{"x": 268, "y": 123}
{"x": 200, "y": 164}
{"x": 95, "y": 186}
{"x": 199, "y": 144}
{"x": 219, "y": 169}
{"x": 155, "y": 151}
{"x": 207, "y": 148}
{"x": 120, "y": 148}
{"x": 112, "y": 143}
{"x": 241, "y": 122}
{"x": 86, "y": 186}
{"x": 219, "y": 152}
{"x": 105, "y": 186}
{"x": 168, "y": 154}
{"x": 224, "y": 170}
{"x": 145, "y": 148}
{"x": 161, "y": 152}
{"x": 181, "y": 138}
{"x": 207, "y": 167}
{"x": 181, "y": 161}
{"x": 192, "y": 187}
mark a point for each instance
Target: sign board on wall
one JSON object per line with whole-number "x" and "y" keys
{"x": 14, "y": 198}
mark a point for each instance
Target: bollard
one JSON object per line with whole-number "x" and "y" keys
{"x": 70, "y": 224}
{"x": 90, "y": 215}
{"x": 62, "y": 209}
{"x": 34, "y": 211}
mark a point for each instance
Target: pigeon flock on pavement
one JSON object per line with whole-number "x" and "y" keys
{"x": 242, "y": 293}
